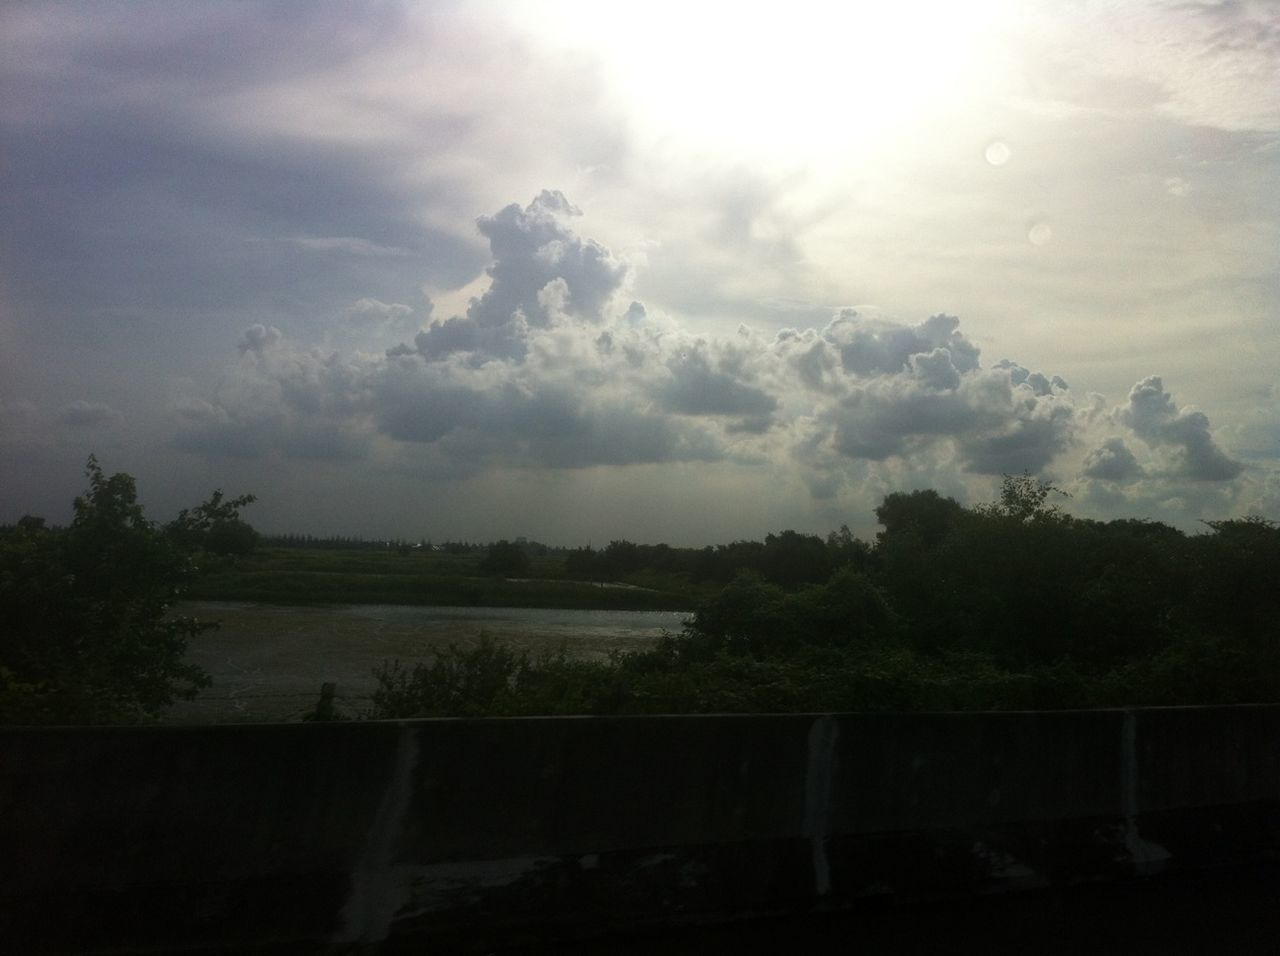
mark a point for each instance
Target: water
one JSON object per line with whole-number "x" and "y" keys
{"x": 516, "y": 622}
{"x": 268, "y": 662}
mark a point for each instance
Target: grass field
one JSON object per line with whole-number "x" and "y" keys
{"x": 308, "y": 576}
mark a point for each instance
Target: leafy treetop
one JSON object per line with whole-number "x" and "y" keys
{"x": 89, "y": 633}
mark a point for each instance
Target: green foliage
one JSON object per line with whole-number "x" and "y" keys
{"x": 1007, "y": 606}
{"x": 89, "y": 637}
{"x": 1023, "y": 498}
{"x": 458, "y": 683}
{"x": 1235, "y": 581}
{"x": 490, "y": 680}
{"x": 752, "y": 616}
{"x": 505, "y": 560}
{"x": 922, "y": 518}
{"x": 215, "y": 526}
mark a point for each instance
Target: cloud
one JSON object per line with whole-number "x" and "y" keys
{"x": 19, "y": 421}
{"x": 371, "y": 313}
{"x": 695, "y": 388}
{"x": 1112, "y": 461}
{"x": 871, "y": 346}
{"x": 257, "y": 338}
{"x": 552, "y": 366}
{"x": 541, "y": 272}
{"x": 1152, "y": 415}
{"x": 1037, "y": 434}
{"x": 504, "y": 416}
{"x": 349, "y": 245}
{"x": 302, "y": 403}
{"x": 548, "y": 368}
{"x": 908, "y": 390}
{"x": 82, "y": 414}
{"x": 1207, "y": 64}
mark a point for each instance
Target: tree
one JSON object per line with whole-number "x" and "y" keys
{"x": 1235, "y": 586}
{"x": 89, "y": 636}
{"x": 792, "y": 559}
{"x": 1023, "y": 497}
{"x": 925, "y": 517}
{"x": 215, "y": 526}
{"x": 845, "y": 549}
{"x": 505, "y": 560}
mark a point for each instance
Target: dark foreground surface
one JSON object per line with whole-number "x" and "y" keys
{"x": 549, "y": 834}
{"x": 1229, "y": 911}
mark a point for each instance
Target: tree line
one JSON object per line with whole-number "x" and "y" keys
{"x": 1008, "y": 605}
{"x": 1011, "y": 604}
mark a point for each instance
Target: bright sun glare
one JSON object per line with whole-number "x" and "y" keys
{"x": 785, "y": 83}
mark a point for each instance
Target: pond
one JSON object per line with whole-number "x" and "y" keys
{"x": 268, "y": 662}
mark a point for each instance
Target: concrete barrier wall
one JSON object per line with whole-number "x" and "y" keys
{"x": 468, "y": 834}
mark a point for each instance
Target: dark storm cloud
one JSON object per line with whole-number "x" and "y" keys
{"x": 1153, "y": 417}
{"x": 210, "y": 47}
{"x": 144, "y": 215}
{"x": 136, "y": 180}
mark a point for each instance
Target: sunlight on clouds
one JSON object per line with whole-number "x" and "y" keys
{"x": 809, "y": 80}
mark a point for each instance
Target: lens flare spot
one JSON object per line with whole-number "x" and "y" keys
{"x": 1040, "y": 233}
{"x": 997, "y": 152}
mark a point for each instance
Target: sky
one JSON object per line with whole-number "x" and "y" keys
{"x": 681, "y": 272}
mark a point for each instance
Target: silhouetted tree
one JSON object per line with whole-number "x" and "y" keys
{"x": 88, "y": 634}
{"x": 215, "y": 526}
{"x": 505, "y": 560}
{"x": 924, "y": 516}
{"x": 791, "y": 559}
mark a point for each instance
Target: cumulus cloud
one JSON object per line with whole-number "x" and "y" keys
{"x": 541, "y": 272}
{"x": 695, "y": 387}
{"x": 1112, "y": 461}
{"x": 1153, "y": 416}
{"x": 870, "y": 347}
{"x": 909, "y": 390}
{"x": 548, "y": 368}
{"x": 303, "y": 403}
{"x": 552, "y": 366}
